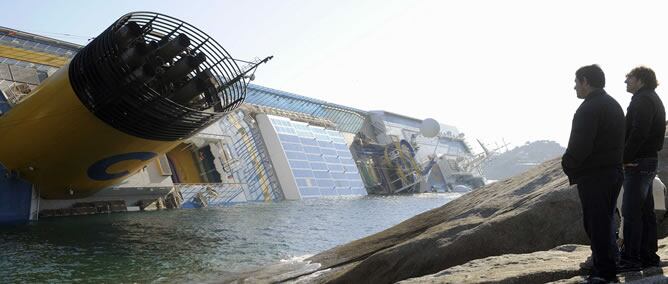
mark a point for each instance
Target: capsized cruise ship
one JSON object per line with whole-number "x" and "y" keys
{"x": 257, "y": 145}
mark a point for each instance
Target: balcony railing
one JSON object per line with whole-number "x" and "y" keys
{"x": 210, "y": 194}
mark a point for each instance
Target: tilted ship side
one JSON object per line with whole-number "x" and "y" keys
{"x": 140, "y": 88}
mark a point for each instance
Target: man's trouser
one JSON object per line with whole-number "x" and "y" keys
{"x": 598, "y": 192}
{"x": 640, "y": 243}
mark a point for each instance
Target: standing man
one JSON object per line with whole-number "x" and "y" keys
{"x": 645, "y": 130}
{"x": 593, "y": 161}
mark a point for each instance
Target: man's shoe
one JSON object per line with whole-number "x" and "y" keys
{"x": 628, "y": 266}
{"x": 588, "y": 264}
{"x": 599, "y": 280}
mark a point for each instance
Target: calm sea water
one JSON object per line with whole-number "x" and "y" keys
{"x": 191, "y": 245}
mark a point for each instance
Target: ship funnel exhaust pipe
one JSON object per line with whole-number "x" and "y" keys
{"x": 126, "y": 34}
{"x": 169, "y": 50}
{"x": 193, "y": 88}
{"x": 136, "y": 56}
{"x": 182, "y": 67}
{"x": 145, "y": 73}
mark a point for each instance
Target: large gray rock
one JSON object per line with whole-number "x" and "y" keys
{"x": 537, "y": 267}
{"x": 559, "y": 265}
{"x": 529, "y": 213}
{"x": 534, "y": 211}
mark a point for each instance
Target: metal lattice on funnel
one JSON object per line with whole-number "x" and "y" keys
{"x": 156, "y": 77}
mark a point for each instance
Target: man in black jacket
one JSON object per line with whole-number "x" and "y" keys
{"x": 593, "y": 161}
{"x": 645, "y": 130}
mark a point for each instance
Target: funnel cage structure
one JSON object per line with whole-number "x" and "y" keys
{"x": 156, "y": 77}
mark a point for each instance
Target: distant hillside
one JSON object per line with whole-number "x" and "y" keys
{"x": 520, "y": 159}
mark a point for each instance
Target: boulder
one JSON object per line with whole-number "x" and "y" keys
{"x": 534, "y": 211}
{"x": 538, "y": 267}
{"x": 559, "y": 265}
{"x": 505, "y": 231}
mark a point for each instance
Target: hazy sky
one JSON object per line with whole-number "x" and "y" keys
{"x": 494, "y": 69}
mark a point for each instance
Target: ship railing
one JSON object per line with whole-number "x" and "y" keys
{"x": 416, "y": 180}
{"x": 16, "y": 93}
{"x": 213, "y": 193}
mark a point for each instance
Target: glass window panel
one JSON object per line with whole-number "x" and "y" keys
{"x": 322, "y": 137}
{"x": 301, "y": 182}
{"x": 327, "y": 183}
{"x": 319, "y": 166}
{"x": 326, "y": 144}
{"x": 321, "y": 174}
{"x": 289, "y": 138}
{"x": 344, "y": 190}
{"x": 328, "y": 191}
{"x": 319, "y": 112}
{"x": 341, "y": 183}
{"x": 344, "y": 154}
{"x": 360, "y": 190}
{"x": 308, "y": 108}
{"x": 310, "y": 142}
{"x": 303, "y": 107}
{"x": 292, "y": 147}
{"x": 315, "y": 158}
{"x": 302, "y": 173}
{"x": 340, "y": 146}
{"x": 328, "y": 151}
{"x": 301, "y": 127}
{"x": 282, "y": 103}
{"x": 309, "y": 182}
{"x": 356, "y": 183}
{"x": 304, "y": 134}
{"x": 295, "y": 155}
{"x": 335, "y": 167}
{"x": 309, "y": 191}
{"x": 331, "y": 159}
{"x": 353, "y": 176}
{"x": 338, "y": 176}
{"x": 261, "y": 99}
{"x": 300, "y": 106}
{"x": 311, "y": 150}
{"x": 299, "y": 164}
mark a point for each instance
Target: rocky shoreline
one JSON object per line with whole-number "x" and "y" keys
{"x": 526, "y": 229}
{"x": 558, "y": 265}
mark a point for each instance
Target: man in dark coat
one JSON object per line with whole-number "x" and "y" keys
{"x": 593, "y": 161}
{"x": 645, "y": 130}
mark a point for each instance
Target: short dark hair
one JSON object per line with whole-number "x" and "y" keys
{"x": 593, "y": 74}
{"x": 645, "y": 75}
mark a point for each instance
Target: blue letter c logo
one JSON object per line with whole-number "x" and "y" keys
{"x": 98, "y": 171}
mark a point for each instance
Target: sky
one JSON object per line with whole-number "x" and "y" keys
{"x": 496, "y": 70}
